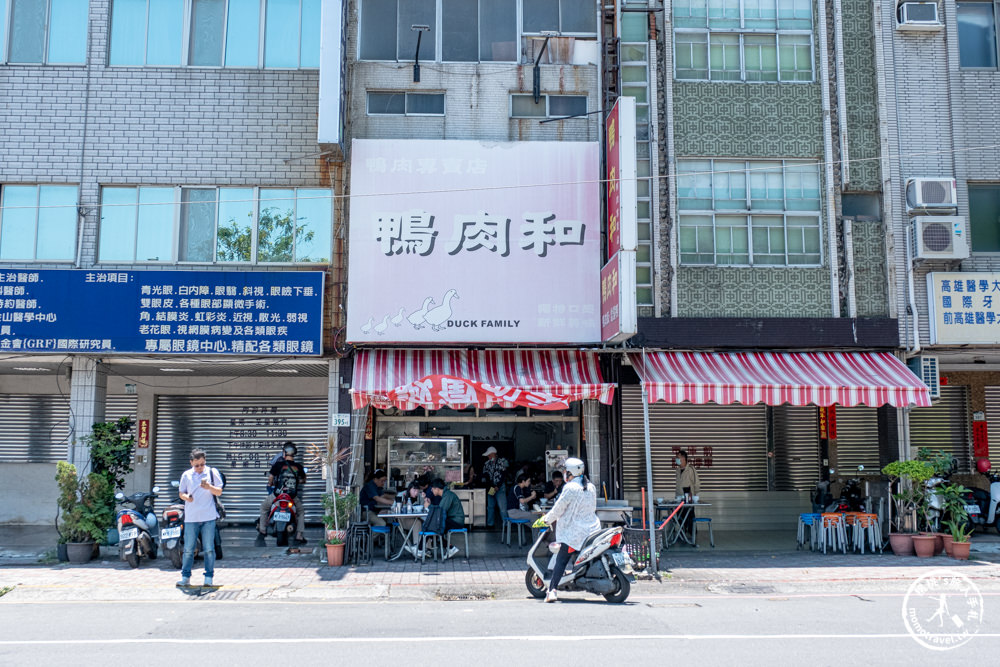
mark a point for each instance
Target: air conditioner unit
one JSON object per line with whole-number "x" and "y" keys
{"x": 918, "y": 16}
{"x": 939, "y": 237}
{"x": 931, "y": 194}
{"x": 926, "y": 368}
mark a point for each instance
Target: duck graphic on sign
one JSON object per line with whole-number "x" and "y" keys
{"x": 436, "y": 317}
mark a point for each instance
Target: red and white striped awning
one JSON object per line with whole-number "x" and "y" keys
{"x": 776, "y": 378}
{"x": 540, "y": 379}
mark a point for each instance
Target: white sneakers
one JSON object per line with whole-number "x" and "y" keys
{"x": 453, "y": 552}
{"x": 551, "y": 596}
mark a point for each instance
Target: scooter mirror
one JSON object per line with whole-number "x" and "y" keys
{"x": 861, "y": 468}
{"x": 156, "y": 489}
{"x": 175, "y": 484}
{"x": 119, "y": 496}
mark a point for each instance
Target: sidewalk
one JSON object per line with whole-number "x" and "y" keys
{"x": 271, "y": 574}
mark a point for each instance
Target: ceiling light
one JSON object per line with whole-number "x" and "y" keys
{"x": 281, "y": 370}
{"x": 32, "y": 369}
{"x": 177, "y": 370}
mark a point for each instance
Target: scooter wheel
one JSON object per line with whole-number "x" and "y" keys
{"x": 623, "y": 587}
{"x": 176, "y": 558}
{"x": 535, "y": 584}
{"x": 132, "y": 559}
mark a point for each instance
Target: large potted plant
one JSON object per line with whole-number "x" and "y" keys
{"x": 339, "y": 506}
{"x": 960, "y": 536}
{"x": 111, "y": 447}
{"x": 84, "y": 513}
{"x": 909, "y": 478}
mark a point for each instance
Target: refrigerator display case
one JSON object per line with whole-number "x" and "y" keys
{"x": 413, "y": 457}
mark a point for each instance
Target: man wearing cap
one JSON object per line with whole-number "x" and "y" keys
{"x": 289, "y": 476}
{"x": 495, "y": 474}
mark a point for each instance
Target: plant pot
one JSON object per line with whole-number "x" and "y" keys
{"x": 335, "y": 555}
{"x": 924, "y": 545}
{"x": 960, "y": 550}
{"x": 938, "y": 543}
{"x": 947, "y": 539}
{"x": 902, "y": 543}
{"x": 80, "y": 552}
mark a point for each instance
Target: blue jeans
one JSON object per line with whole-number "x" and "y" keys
{"x": 191, "y": 530}
{"x": 498, "y": 500}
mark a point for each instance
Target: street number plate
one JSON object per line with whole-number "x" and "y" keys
{"x": 282, "y": 516}
{"x": 170, "y": 533}
{"x": 972, "y": 509}
{"x": 129, "y": 534}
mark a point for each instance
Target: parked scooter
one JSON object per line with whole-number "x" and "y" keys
{"x": 601, "y": 567}
{"x": 281, "y": 518}
{"x": 982, "y": 506}
{"x": 136, "y": 527}
{"x": 172, "y": 533}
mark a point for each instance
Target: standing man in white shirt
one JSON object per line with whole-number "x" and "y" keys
{"x": 199, "y": 487}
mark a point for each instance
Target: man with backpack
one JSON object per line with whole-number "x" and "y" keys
{"x": 289, "y": 476}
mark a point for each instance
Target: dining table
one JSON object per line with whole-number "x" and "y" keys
{"x": 675, "y": 528}
{"x": 406, "y": 528}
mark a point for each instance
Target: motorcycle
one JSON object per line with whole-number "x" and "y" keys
{"x": 172, "y": 533}
{"x": 600, "y": 567}
{"x": 281, "y": 518}
{"x": 136, "y": 527}
{"x": 982, "y": 505}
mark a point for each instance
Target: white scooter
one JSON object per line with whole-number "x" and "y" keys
{"x": 601, "y": 567}
{"x": 982, "y": 506}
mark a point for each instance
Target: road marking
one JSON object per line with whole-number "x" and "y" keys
{"x": 189, "y": 641}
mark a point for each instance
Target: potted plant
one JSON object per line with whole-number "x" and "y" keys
{"x": 960, "y": 543}
{"x": 910, "y": 477}
{"x": 111, "y": 448}
{"x": 953, "y": 506}
{"x": 339, "y": 506}
{"x": 84, "y": 514}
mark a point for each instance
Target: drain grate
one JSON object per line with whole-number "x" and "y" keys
{"x": 464, "y": 597}
{"x": 742, "y": 589}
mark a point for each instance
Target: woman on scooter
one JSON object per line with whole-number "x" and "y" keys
{"x": 576, "y": 512}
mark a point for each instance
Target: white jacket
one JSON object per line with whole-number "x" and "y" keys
{"x": 575, "y": 510}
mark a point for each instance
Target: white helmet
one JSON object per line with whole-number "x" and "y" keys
{"x": 574, "y": 467}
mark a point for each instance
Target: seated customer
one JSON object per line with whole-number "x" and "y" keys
{"x": 520, "y": 497}
{"x": 554, "y": 488}
{"x": 374, "y": 497}
{"x": 413, "y": 495}
{"x": 454, "y": 515}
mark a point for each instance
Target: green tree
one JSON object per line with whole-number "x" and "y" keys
{"x": 276, "y": 238}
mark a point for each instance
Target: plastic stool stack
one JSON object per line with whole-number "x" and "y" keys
{"x": 834, "y": 532}
{"x": 814, "y": 522}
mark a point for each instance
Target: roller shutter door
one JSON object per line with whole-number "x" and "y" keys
{"x": 993, "y": 417}
{"x": 736, "y": 434}
{"x": 240, "y": 436}
{"x": 857, "y": 440}
{"x": 945, "y": 425}
{"x": 796, "y": 447}
{"x": 35, "y": 428}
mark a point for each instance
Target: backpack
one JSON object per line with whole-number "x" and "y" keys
{"x": 288, "y": 479}
{"x": 434, "y": 523}
{"x": 219, "y": 507}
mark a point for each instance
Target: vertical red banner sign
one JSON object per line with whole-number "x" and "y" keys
{"x": 980, "y": 440}
{"x": 143, "y": 433}
{"x": 828, "y": 423}
{"x": 613, "y": 176}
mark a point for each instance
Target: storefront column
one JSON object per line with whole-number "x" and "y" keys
{"x": 87, "y": 394}
{"x": 592, "y": 435}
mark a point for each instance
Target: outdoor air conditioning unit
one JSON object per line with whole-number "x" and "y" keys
{"x": 918, "y": 16}
{"x": 939, "y": 237}
{"x": 931, "y": 195}
{"x": 926, "y": 368}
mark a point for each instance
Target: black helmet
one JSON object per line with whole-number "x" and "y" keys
{"x": 289, "y": 448}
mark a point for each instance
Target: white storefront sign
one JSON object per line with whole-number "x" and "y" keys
{"x": 964, "y": 308}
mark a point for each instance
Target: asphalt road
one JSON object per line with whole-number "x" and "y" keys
{"x": 704, "y": 629}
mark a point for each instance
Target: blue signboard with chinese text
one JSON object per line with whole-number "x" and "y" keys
{"x": 162, "y": 312}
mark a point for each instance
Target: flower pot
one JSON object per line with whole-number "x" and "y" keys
{"x": 938, "y": 543}
{"x": 80, "y": 552}
{"x": 960, "y": 550}
{"x": 947, "y": 539}
{"x": 902, "y": 543}
{"x": 924, "y": 545}
{"x": 335, "y": 555}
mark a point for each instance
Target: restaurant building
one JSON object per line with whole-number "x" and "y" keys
{"x": 474, "y": 235}
{"x": 167, "y": 253}
{"x": 773, "y": 260}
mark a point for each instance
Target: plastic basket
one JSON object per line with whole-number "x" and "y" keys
{"x": 635, "y": 542}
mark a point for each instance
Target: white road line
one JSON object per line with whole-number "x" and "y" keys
{"x": 192, "y": 641}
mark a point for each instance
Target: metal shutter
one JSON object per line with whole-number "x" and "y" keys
{"x": 857, "y": 440}
{"x": 945, "y": 425}
{"x": 993, "y": 417}
{"x": 737, "y": 435}
{"x": 35, "y": 428}
{"x": 242, "y": 451}
{"x": 116, "y": 407}
{"x": 796, "y": 447}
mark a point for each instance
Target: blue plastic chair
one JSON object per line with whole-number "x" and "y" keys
{"x": 465, "y": 533}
